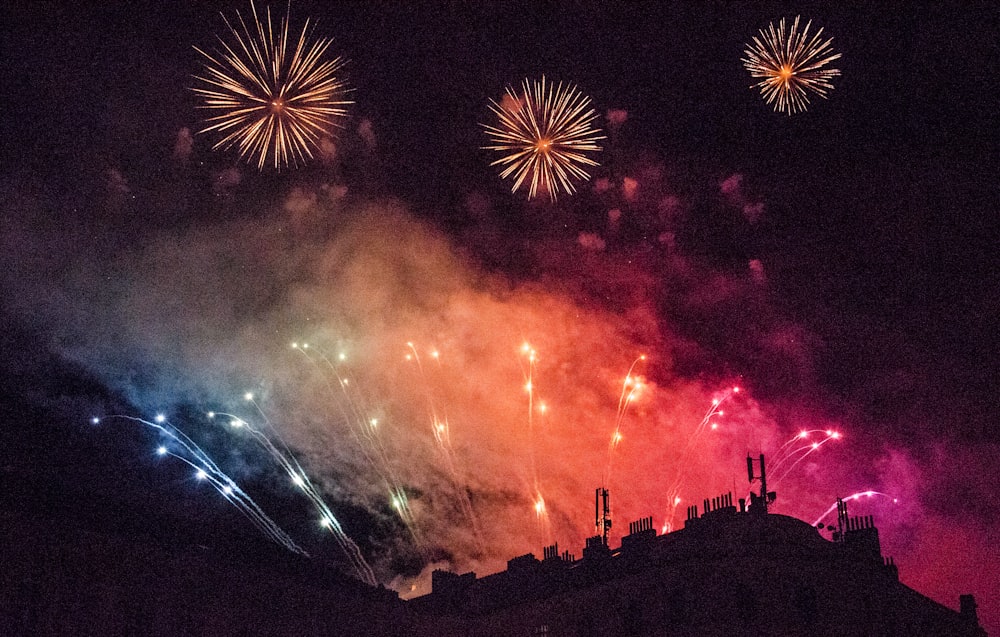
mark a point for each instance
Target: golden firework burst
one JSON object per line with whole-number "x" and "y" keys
{"x": 273, "y": 99}
{"x": 791, "y": 65}
{"x": 544, "y": 131}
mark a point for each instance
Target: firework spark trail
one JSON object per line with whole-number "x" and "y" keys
{"x": 673, "y": 493}
{"x": 361, "y": 423}
{"x": 267, "y": 101}
{"x": 630, "y": 388}
{"x": 528, "y": 373}
{"x": 301, "y": 479}
{"x": 365, "y": 430}
{"x": 439, "y": 427}
{"x": 370, "y": 442}
{"x": 799, "y": 436}
{"x": 286, "y": 461}
{"x": 545, "y": 134}
{"x": 243, "y": 503}
{"x": 441, "y": 430}
{"x": 854, "y": 496}
{"x": 233, "y": 493}
{"x": 808, "y": 449}
{"x": 207, "y": 469}
{"x": 791, "y": 65}
{"x": 350, "y": 407}
{"x": 267, "y": 422}
{"x": 784, "y": 453}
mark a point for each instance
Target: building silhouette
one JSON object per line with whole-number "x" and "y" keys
{"x": 734, "y": 569}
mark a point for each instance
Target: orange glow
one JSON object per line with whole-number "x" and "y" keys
{"x": 539, "y": 507}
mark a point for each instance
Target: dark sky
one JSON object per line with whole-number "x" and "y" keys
{"x": 909, "y": 130}
{"x": 878, "y": 234}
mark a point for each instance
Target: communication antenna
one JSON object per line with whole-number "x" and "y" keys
{"x": 759, "y": 503}
{"x": 602, "y": 514}
{"x": 842, "y": 520}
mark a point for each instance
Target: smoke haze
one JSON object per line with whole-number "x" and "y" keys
{"x": 415, "y": 378}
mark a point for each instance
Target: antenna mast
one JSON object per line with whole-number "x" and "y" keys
{"x": 759, "y": 503}
{"x": 602, "y": 514}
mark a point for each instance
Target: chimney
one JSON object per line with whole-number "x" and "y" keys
{"x": 967, "y": 608}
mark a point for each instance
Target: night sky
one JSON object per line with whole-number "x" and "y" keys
{"x": 837, "y": 265}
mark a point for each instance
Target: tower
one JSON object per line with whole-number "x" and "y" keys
{"x": 759, "y": 503}
{"x": 602, "y": 514}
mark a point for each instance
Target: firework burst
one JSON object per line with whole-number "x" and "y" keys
{"x": 546, "y": 132}
{"x": 274, "y": 100}
{"x": 791, "y": 65}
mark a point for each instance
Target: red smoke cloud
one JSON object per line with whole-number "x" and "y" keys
{"x": 459, "y": 434}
